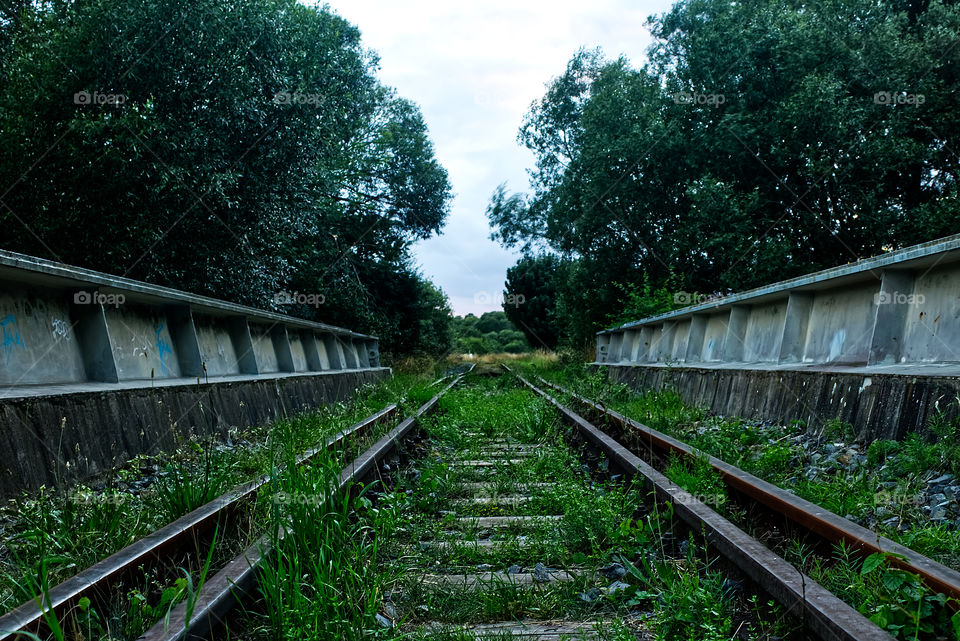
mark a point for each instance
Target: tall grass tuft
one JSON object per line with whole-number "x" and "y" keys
{"x": 322, "y": 580}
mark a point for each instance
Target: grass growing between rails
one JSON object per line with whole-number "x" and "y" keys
{"x": 886, "y": 486}
{"x": 53, "y": 534}
{"x": 603, "y": 527}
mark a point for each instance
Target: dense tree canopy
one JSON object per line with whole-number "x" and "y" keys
{"x": 236, "y": 148}
{"x": 762, "y": 140}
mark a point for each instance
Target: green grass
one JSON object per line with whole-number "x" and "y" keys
{"x": 56, "y": 533}
{"x": 887, "y": 486}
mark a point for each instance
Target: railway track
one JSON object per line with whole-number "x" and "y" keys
{"x": 493, "y": 529}
{"x": 42, "y": 616}
{"x": 804, "y": 514}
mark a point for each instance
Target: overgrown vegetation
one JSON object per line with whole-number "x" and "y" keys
{"x": 815, "y": 134}
{"x": 243, "y": 149}
{"x": 882, "y": 488}
{"x": 53, "y": 534}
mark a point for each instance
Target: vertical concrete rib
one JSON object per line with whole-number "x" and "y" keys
{"x": 243, "y": 345}
{"x": 309, "y": 341}
{"x": 698, "y": 329}
{"x": 281, "y": 347}
{"x": 892, "y": 307}
{"x": 794, "y": 340}
{"x": 186, "y": 345}
{"x": 94, "y": 336}
{"x": 736, "y": 333}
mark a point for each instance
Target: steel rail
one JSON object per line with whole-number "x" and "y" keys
{"x": 807, "y": 515}
{"x": 100, "y": 577}
{"x": 218, "y": 595}
{"x": 820, "y": 610}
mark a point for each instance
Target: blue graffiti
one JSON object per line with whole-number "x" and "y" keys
{"x": 163, "y": 348}
{"x": 11, "y": 335}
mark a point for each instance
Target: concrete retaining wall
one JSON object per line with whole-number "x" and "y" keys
{"x": 900, "y": 308}
{"x": 62, "y": 324}
{"x": 61, "y": 438}
{"x": 96, "y": 369}
{"x": 878, "y": 406}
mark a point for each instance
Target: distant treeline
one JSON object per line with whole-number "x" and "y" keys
{"x": 490, "y": 333}
{"x": 761, "y": 140}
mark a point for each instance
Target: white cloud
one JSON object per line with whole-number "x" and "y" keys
{"x": 474, "y": 68}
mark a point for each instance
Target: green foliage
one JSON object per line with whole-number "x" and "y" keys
{"x": 184, "y": 488}
{"x": 536, "y": 279}
{"x": 698, "y": 477}
{"x": 894, "y": 599}
{"x": 693, "y": 602}
{"x": 760, "y": 141}
{"x": 252, "y": 151}
{"x": 491, "y": 333}
{"x": 880, "y": 450}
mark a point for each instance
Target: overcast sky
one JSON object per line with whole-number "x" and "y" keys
{"x": 474, "y": 68}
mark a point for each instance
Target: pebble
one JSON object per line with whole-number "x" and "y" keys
{"x": 616, "y": 586}
{"x": 614, "y": 571}
{"x": 590, "y": 595}
{"x": 514, "y": 569}
{"x": 540, "y": 574}
{"x": 384, "y": 621}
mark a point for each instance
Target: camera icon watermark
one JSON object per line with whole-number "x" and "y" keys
{"x": 693, "y": 298}
{"x": 897, "y": 298}
{"x": 504, "y": 299}
{"x": 97, "y": 98}
{"x": 98, "y": 298}
{"x": 694, "y": 98}
{"x": 898, "y": 98}
{"x": 297, "y": 98}
{"x": 898, "y": 498}
{"x": 715, "y": 500}
{"x": 296, "y": 298}
{"x": 297, "y": 498}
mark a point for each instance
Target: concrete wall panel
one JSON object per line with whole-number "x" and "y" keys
{"x": 38, "y": 341}
{"x": 764, "y": 333}
{"x": 141, "y": 343}
{"x": 841, "y": 326}
{"x": 216, "y": 347}
{"x": 263, "y": 348}
{"x": 932, "y": 331}
{"x": 713, "y": 337}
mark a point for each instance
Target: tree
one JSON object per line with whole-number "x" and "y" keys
{"x": 763, "y": 140}
{"x": 235, "y": 148}
{"x": 535, "y": 280}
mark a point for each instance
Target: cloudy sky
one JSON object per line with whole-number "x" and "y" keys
{"x": 474, "y": 68}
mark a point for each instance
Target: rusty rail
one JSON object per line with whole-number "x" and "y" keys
{"x": 807, "y": 515}
{"x": 821, "y": 611}
{"x": 217, "y": 597}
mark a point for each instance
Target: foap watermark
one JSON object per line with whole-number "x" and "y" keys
{"x": 694, "y": 98}
{"x": 297, "y": 498}
{"x": 897, "y": 298}
{"x": 884, "y": 497}
{"x": 504, "y": 299}
{"x": 98, "y": 298}
{"x": 296, "y": 298}
{"x": 707, "y": 499}
{"x": 297, "y": 98}
{"x": 97, "y": 98}
{"x": 898, "y": 98}
{"x": 693, "y": 298}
